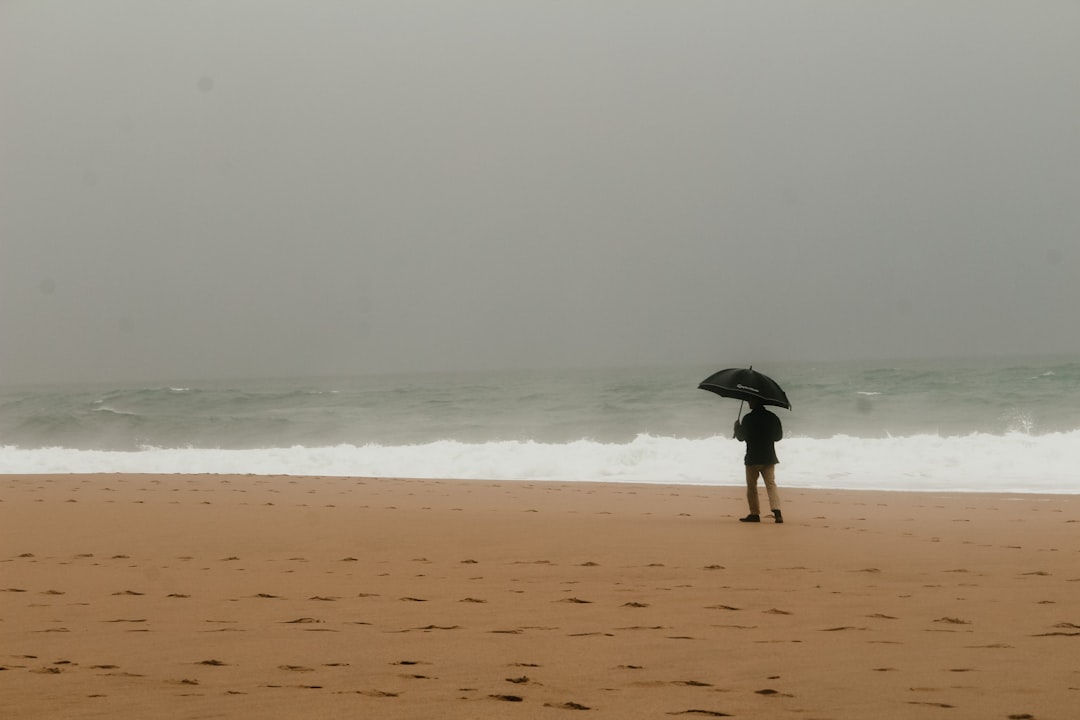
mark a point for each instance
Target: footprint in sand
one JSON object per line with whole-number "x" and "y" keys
{"x": 47, "y": 671}
{"x": 427, "y": 628}
{"x": 1064, "y": 632}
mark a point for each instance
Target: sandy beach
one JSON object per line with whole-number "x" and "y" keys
{"x": 212, "y": 596}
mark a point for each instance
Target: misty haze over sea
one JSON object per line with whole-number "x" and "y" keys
{"x": 271, "y": 188}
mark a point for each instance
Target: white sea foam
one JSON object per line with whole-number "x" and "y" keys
{"x": 110, "y": 410}
{"x": 1013, "y": 462}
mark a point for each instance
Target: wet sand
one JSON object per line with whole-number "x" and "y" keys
{"x": 203, "y": 596}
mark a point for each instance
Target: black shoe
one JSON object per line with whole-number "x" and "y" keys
{"x": 751, "y": 518}
{"x": 777, "y": 516}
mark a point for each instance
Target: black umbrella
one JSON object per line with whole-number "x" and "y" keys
{"x": 746, "y": 384}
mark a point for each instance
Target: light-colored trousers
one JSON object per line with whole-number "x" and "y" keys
{"x": 768, "y": 474}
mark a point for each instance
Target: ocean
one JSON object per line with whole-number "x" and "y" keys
{"x": 997, "y": 426}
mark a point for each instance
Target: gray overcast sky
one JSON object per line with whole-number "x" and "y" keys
{"x": 217, "y": 188}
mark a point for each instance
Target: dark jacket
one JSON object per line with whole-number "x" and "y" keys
{"x": 759, "y": 429}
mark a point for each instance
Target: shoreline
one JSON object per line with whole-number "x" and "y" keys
{"x": 734, "y": 485}
{"x": 177, "y": 595}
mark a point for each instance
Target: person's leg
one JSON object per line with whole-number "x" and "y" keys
{"x": 752, "y": 472}
{"x": 768, "y": 474}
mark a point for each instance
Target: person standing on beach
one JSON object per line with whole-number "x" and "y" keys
{"x": 760, "y": 429}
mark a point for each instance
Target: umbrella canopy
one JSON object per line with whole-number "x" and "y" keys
{"x": 746, "y": 384}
